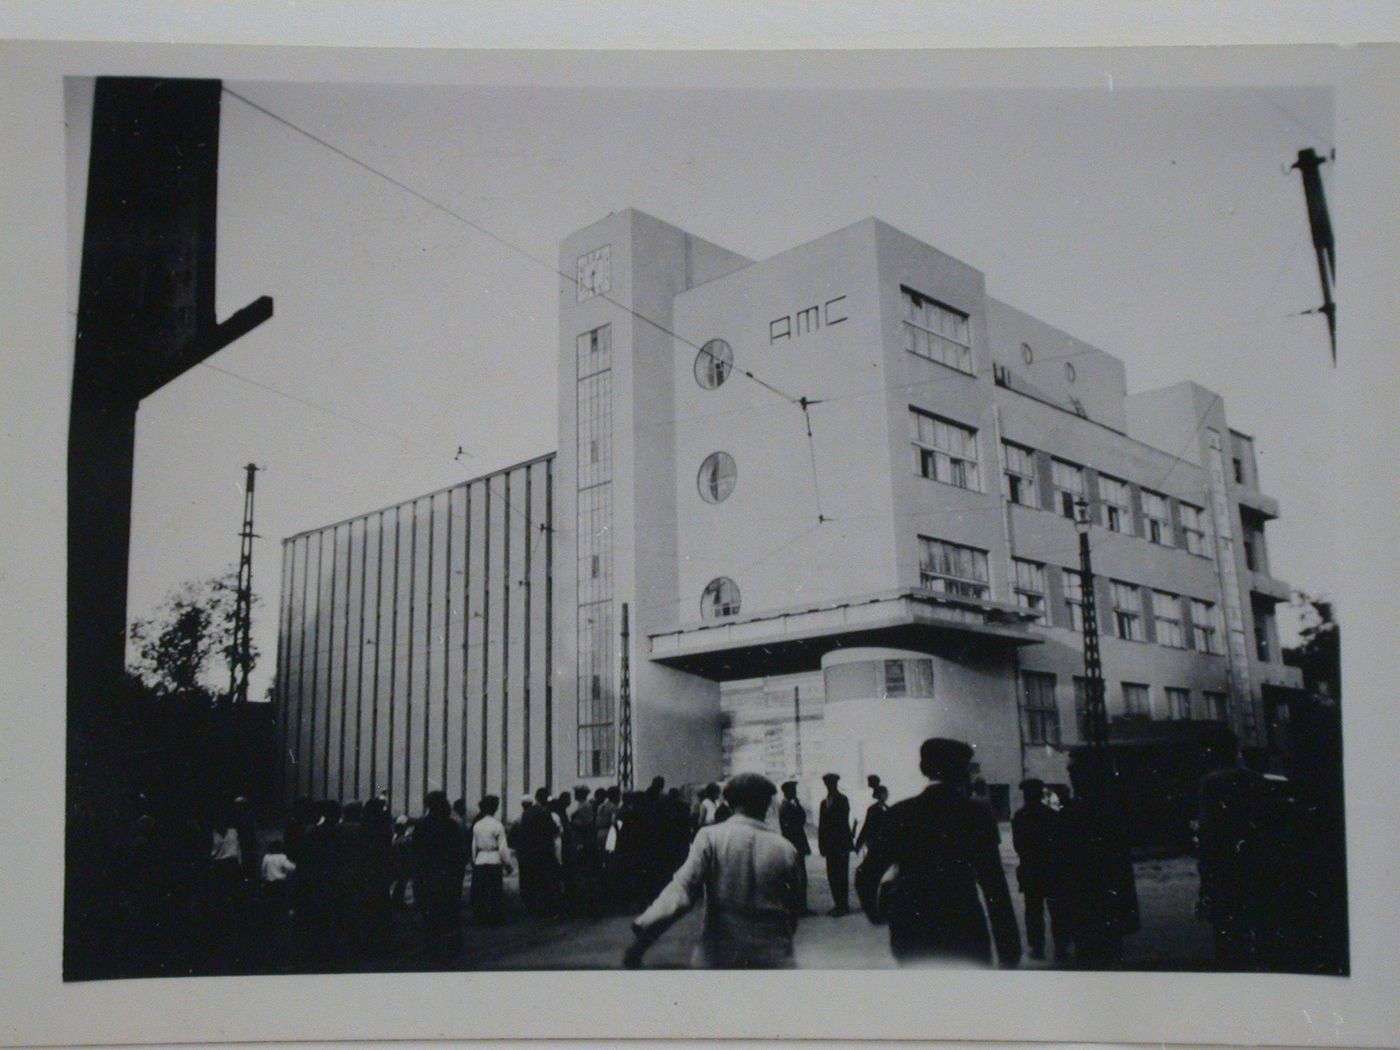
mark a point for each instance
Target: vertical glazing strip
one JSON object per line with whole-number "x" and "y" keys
{"x": 378, "y": 648}
{"x": 447, "y": 640}
{"x": 330, "y": 662}
{"x": 525, "y": 642}
{"x": 300, "y": 761}
{"x": 466, "y": 633}
{"x": 485, "y": 630}
{"x": 428, "y": 645}
{"x": 549, "y": 622}
{"x": 345, "y": 660}
{"x": 505, "y": 643}
{"x": 393, "y": 664}
{"x": 360, "y": 655}
{"x": 315, "y": 669}
{"x": 284, "y": 615}
{"x": 408, "y": 689}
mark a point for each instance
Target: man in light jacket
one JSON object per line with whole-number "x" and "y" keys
{"x": 748, "y": 875}
{"x": 490, "y": 859}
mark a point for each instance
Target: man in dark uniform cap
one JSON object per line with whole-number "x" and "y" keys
{"x": 835, "y": 841}
{"x": 945, "y": 846}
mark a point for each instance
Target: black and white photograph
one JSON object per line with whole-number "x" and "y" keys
{"x": 625, "y": 512}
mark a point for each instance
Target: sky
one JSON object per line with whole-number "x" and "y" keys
{"x": 1159, "y": 224}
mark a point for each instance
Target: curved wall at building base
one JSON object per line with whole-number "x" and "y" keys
{"x": 881, "y": 704}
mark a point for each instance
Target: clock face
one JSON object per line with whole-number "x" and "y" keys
{"x": 594, "y": 275}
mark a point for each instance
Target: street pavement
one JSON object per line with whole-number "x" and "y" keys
{"x": 1171, "y": 937}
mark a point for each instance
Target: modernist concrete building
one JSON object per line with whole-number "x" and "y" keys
{"x": 834, "y": 490}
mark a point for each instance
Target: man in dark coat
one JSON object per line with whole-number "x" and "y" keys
{"x": 1033, "y": 835}
{"x": 1246, "y": 861}
{"x": 1094, "y": 882}
{"x": 537, "y": 835}
{"x": 835, "y": 841}
{"x": 946, "y": 847}
{"x": 792, "y": 822}
{"x": 439, "y": 856}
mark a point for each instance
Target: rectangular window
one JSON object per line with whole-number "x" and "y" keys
{"x": 1261, "y": 637}
{"x": 1030, "y": 586}
{"x": 1081, "y": 706}
{"x": 1020, "y": 474}
{"x": 950, "y": 568}
{"x": 1069, "y": 487}
{"x": 937, "y": 332}
{"x": 1127, "y": 611}
{"x": 1193, "y": 528}
{"x": 1136, "y": 699}
{"x": 945, "y": 451}
{"x": 1040, "y": 717}
{"x": 1073, "y": 585}
{"x": 1205, "y": 627}
{"x": 1117, "y": 504}
{"x": 594, "y": 351}
{"x": 895, "y": 683}
{"x": 1239, "y": 470}
{"x": 1156, "y": 518}
{"x": 1179, "y": 704}
{"x": 1166, "y": 610}
{"x": 1217, "y": 708}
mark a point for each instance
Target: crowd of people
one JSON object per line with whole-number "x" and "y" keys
{"x": 321, "y": 895}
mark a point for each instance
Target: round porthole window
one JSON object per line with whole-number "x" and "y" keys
{"x": 1027, "y": 354}
{"x": 721, "y": 599}
{"x": 713, "y": 364}
{"x": 717, "y": 477}
{"x": 1069, "y": 372}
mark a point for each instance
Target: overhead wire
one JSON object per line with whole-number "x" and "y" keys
{"x": 507, "y": 243}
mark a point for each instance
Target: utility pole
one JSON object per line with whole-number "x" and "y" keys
{"x": 1308, "y": 166}
{"x": 1095, "y": 714}
{"x": 624, "y": 712}
{"x": 241, "y": 651}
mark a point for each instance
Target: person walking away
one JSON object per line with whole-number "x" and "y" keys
{"x": 438, "y": 862}
{"x": 747, "y": 874}
{"x": 945, "y": 847}
{"x": 317, "y": 889}
{"x": 1033, "y": 836}
{"x": 275, "y": 876}
{"x": 605, "y": 803}
{"x": 835, "y": 843}
{"x": 379, "y": 873}
{"x": 583, "y": 862}
{"x": 490, "y": 861}
{"x": 537, "y": 837}
{"x": 792, "y": 824}
{"x": 401, "y": 846}
{"x": 1093, "y": 879}
{"x": 863, "y": 801}
{"x": 708, "y": 808}
{"x": 1243, "y": 871}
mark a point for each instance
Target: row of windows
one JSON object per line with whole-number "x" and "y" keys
{"x": 946, "y": 451}
{"x": 953, "y": 568}
{"x": 1040, "y": 713}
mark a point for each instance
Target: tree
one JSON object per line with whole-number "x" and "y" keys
{"x": 1319, "y": 654}
{"x": 177, "y": 646}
